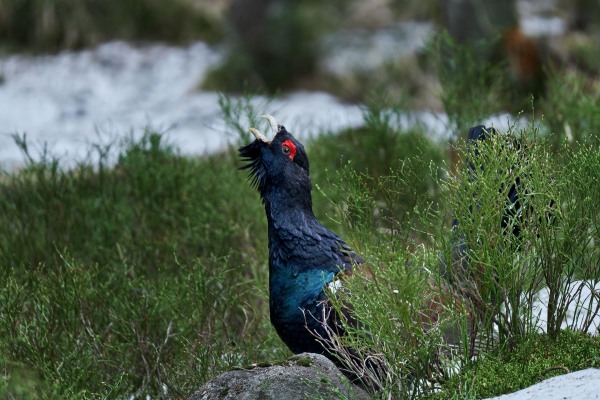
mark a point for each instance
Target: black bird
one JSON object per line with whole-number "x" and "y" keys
{"x": 517, "y": 214}
{"x": 513, "y": 214}
{"x": 513, "y": 210}
{"x": 304, "y": 256}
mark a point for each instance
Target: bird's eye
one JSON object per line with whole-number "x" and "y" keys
{"x": 289, "y": 149}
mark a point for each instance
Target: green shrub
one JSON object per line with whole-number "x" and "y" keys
{"x": 392, "y": 168}
{"x": 491, "y": 303}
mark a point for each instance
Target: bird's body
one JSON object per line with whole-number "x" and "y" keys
{"x": 304, "y": 256}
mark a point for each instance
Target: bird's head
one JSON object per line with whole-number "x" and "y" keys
{"x": 279, "y": 164}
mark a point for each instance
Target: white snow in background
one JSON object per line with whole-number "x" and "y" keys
{"x": 72, "y": 100}
{"x": 64, "y": 99}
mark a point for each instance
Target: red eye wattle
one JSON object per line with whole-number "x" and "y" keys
{"x": 289, "y": 149}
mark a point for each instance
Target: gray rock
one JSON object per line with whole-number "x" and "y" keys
{"x": 580, "y": 385}
{"x": 304, "y": 376}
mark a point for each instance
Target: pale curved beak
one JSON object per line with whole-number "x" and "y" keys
{"x": 272, "y": 122}
{"x": 274, "y": 127}
{"x": 257, "y": 134}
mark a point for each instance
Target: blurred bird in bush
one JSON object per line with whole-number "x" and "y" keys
{"x": 305, "y": 258}
{"x": 518, "y": 219}
{"x": 461, "y": 271}
{"x": 516, "y": 210}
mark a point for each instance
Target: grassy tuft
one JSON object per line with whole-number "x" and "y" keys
{"x": 122, "y": 280}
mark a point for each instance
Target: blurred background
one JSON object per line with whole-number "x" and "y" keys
{"x": 74, "y": 72}
{"x": 130, "y": 270}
